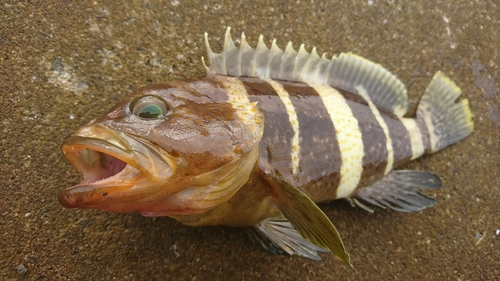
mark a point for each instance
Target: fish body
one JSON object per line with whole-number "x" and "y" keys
{"x": 261, "y": 139}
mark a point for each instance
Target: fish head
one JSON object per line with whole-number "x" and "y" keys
{"x": 164, "y": 150}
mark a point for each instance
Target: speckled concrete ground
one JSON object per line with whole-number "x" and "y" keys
{"x": 64, "y": 62}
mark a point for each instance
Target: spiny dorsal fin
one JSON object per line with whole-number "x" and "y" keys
{"x": 346, "y": 72}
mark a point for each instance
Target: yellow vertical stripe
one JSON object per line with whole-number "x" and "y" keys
{"x": 348, "y": 136}
{"x": 417, "y": 145}
{"x": 236, "y": 91}
{"x": 244, "y": 110}
{"x": 294, "y": 122}
{"x": 390, "y": 150}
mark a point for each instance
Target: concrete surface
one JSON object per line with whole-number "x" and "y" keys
{"x": 64, "y": 62}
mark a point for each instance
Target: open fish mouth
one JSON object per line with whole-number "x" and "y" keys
{"x": 111, "y": 164}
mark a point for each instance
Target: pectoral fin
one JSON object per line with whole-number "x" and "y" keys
{"x": 306, "y": 217}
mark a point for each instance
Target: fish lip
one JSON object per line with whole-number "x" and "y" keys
{"x": 133, "y": 162}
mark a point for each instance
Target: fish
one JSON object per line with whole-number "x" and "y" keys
{"x": 263, "y": 138}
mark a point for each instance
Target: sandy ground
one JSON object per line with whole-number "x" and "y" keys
{"x": 65, "y": 62}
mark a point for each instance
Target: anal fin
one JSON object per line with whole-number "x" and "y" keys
{"x": 400, "y": 191}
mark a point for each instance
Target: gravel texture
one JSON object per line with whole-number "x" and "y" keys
{"x": 64, "y": 62}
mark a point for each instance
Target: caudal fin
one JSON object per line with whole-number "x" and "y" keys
{"x": 447, "y": 122}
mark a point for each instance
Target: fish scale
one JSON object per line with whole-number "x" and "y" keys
{"x": 261, "y": 139}
{"x": 318, "y": 163}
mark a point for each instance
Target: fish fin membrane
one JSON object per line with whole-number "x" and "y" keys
{"x": 306, "y": 217}
{"x": 346, "y": 72}
{"x": 447, "y": 121}
{"x": 277, "y": 235}
{"x": 400, "y": 191}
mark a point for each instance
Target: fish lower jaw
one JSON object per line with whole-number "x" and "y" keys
{"x": 93, "y": 188}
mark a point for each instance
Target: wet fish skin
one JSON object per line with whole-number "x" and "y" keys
{"x": 261, "y": 139}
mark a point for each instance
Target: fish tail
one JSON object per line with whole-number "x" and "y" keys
{"x": 445, "y": 120}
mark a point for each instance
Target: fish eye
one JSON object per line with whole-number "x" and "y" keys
{"x": 149, "y": 107}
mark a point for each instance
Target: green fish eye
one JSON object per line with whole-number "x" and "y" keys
{"x": 151, "y": 111}
{"x": 149, "y": 107}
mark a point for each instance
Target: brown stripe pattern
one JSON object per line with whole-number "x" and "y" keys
{"x": 374, "y": 139}
{"x": 320, "y": 157}
{"x": 275, "y": 146}
{"x": 400, "y": 137}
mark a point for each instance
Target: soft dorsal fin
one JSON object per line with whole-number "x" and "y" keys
{"x": 346, "y": 72}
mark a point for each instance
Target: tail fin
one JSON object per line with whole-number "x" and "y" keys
{"x": 447, "y": 122}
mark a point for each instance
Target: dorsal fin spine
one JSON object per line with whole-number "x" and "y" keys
{"x": 246, "y": 54}
{"x": 209, "y": 56}
{"x": 306, "y": 72}
{"x": 274, "y": 61}
{"x": 228, "y": 52}
{"x": 300, "y": 63}
{"x": 322, "y": 63}
{"x": 261, "y": 58}
{"x": 346, "y": 72}
{"x": 287, "y": 62}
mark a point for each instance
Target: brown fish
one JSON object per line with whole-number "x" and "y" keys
{"x": 260, "y": 139}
